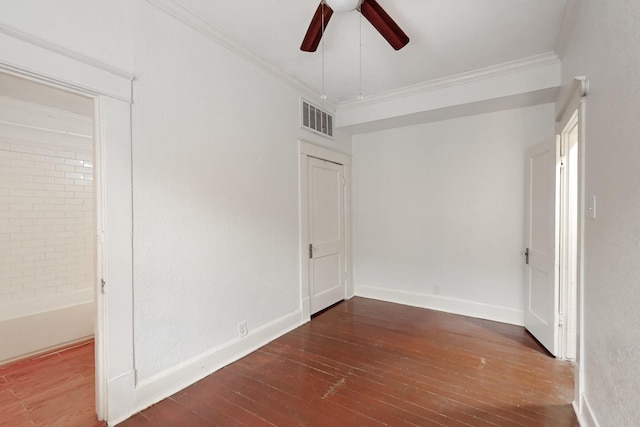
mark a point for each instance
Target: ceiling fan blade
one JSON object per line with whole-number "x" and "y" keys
{"x": 382, "y": 22}
{"x": 314, "y": 33}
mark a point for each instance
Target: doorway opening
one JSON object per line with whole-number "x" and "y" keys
{"x": 570, "y": 128}
{"x": 47, "y": 231}
{"x": 568, "y": 238}
{"x": 47, "y": 219}
{"x": 552, "y": 235}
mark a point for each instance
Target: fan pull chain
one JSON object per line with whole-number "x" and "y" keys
{"x": 360, "y": 97}
{"x": 323, "y": 96}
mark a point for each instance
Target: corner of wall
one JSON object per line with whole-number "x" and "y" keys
{"x": 163, "y": 385}
{"x": 445, "y": 304}
{"x": 584, "y": 413}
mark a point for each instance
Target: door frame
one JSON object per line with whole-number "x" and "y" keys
{"x": 41, "y": 61}
{"x": 568, "y": 261}
{"x": 573, "y": 111}
{"x": 307, "y": 150}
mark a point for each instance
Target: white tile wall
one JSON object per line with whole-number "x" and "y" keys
{"x": 46, "y": 220}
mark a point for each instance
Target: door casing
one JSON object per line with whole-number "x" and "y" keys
{"x": 308, "y": 150}
{"x": 573, "y": 111}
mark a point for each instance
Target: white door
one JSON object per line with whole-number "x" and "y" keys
{"x": 541, "y": 293}
{"x": 326, "y": 234}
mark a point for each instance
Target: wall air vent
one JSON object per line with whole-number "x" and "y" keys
{"x": 316, "y": 119}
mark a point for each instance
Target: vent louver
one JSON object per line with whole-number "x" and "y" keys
{"x": 316, "y": 119}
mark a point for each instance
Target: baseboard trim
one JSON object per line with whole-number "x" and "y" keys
{"x": 169, "y": 382}
{"x": 446, "y": 304}
{"x": 306, "y": 309}
{"x": 586, "y": 417}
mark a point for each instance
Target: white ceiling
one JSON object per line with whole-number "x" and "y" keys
{"x": 448, "y": 37}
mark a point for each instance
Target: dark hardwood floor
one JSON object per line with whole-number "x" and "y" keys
{"x": 368, "y": 363}
{"x": 359, "y": 363}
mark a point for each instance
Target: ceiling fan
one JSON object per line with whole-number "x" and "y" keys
{"x": 370, "y": 9}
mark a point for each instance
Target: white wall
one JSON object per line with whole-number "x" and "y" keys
{"x": 215, "y": 171}
{"x": 604, "y": 47}
{"x": 438, "y": 212}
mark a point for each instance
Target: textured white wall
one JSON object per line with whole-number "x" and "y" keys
{"x": 438, "y": 208}
{"x": 604, "y": 47}
{"x": 215, "y": 171}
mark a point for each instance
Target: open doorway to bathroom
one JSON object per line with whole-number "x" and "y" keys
{"x": 47, "y": 222}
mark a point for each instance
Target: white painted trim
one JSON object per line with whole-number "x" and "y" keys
{"x": 575, "y": 100}
{"x": 307, "y": 149}
{"x": 579, "y": 89}
{"x": 36, "y": 59}
{"x": 350, "y": 291}
{"x": 166, "y": 383}
{"x": 303, "y": 194}
{"x": 114, "y": 207}
{"x": 446, "y": 304}
{"x": 321, "y": 152}
{"x": 480, "y": 74}
{"x": 306, "y": 306}
{"x": 584, "y": 413}
{"x": 183, "y": 14}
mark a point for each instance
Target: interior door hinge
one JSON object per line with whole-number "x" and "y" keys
{"x": 102, "y": 284}
{"x": 310, "y": 250}
{"x": 526, "y": 255}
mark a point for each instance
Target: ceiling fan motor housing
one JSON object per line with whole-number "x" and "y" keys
{"x": 343, "y": 5}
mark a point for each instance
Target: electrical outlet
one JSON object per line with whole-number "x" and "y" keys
{"x": 242, "y": 329}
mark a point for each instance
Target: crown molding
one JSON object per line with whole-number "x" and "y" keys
{"x": 21, "y": 53}
{"x": 183, "y": 14}
{"x": 492, "y": 71}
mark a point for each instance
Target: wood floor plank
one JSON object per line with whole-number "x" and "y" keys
{"x": 216, "y": 408}
{"x": 377, "y": 390}
{"x": 170, "y": 413}
{"x": 317, "y": 387}
{"x": 517, "y": 411}
{"x": 407, "y": 390}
